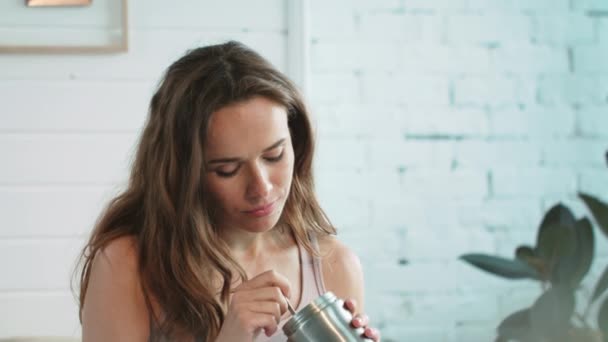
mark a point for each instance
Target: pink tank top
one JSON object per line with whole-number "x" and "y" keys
{"x": 312, "y": 287}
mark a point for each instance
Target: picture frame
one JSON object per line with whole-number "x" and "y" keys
{"x": 68, "y": 27}
{"x": 35, "y": 3}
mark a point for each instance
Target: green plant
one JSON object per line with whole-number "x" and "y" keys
{"x": 560, "y": 260}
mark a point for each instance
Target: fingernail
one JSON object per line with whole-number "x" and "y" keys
{"x": 357, "y": 321}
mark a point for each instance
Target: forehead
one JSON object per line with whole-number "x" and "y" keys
{"x": 246, "y": 127}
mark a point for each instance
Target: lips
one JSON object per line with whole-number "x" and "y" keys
{"x": 263, "y": 210}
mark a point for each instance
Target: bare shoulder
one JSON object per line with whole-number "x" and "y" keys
{"x": 342, "y": 271}
{"x": 114, "y": 307}
{"x": 120, "y": 254}
{"x": 335, "y": 253}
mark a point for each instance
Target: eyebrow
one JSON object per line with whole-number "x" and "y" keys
{"x": 234, "y": 159}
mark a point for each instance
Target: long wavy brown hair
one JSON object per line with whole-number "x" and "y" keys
{"x": 165, "y": 205}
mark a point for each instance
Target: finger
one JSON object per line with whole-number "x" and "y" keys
{"x": 351, "y": 305}
{"x": 265, "y": 294}
{"x": 266, "y": 322}
{"x": 360, "y": 321}
{"x": 372, "y": 333}
{"x": 267, "y": 308}
{"x": 265, "y": 279}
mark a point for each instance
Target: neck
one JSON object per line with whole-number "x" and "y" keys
{"x": 247, "y": 245}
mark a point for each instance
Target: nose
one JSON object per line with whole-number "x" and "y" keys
{"x": 259, "y": 185}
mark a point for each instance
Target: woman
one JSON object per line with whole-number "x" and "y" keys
{"x": 219, "y": 226}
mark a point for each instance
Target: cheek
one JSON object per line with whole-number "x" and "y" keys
{"x": 222, "y": 193}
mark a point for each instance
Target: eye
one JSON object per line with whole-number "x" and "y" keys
{"x": 226, "y": 174}
{"x": 275, "y": 159}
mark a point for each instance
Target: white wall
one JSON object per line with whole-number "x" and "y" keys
{"x": 445, "y": 127}
{"x": 68, "y": 126}
{"x": 448, "y": 127}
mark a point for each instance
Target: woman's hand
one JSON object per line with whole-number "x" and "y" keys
{"x": 361, "y": 320}
{"x": 256, "y": 304}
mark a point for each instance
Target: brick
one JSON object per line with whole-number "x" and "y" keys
{"x": 39, "y": 314}
{"x": 602, "y": 30}
{"x": 532, "y": 182}
{"x": 590, "y": 5}
{"x": 333, "y": 87}
{"x": 451, "y": 308}
{"x": 433, "y": 58}
{"x": 441, "y": 184}
{"x": 331, "y": 183}
{"x": 375, "y": 245}
{"x": 334, "y": 56}
{"x": 594, "y": 182}
{"x": 436, "y": 277}
{"x": 575, "y": 153}
{"x": 563, "y": 29}
{"x": 526, "y": 58}
{"x": 404, "y": 89}
{"x": 434, "y": 5}
{"x": 410, "y": 212}
{"x": 361, "y": 5}
{"x": 331, "y": 21}
{"x": 391, "y": 27}
{"x": 489, "y": 154}
{"x": 500, "y": 213}
{"x": 411, "y": 153}
{"x": 71, "y": 211}
{"x": 43, "y": 264}
{"x": 492, "y": 91}
{"x": 353, "y": 56}
{"x": 67, "y": 159}
{"x": 531, "y": 122}
{"x": 443, "y": 242}
{"x": 590, "y": 58}
{"x": 593, "y": 122}
{"x": 572, "y": 89}
{"x": 67, "y": 105}
{"x": 347, "y": 212}
{"x": 341, "y": 154}
{"x": 487, "y": 28}
{"x": 446, "y": 121}
{"x": 542, "y": 6}
{"x": 476, "y": 331}
{"x": 347, "y": 120}
{"x": 381, "y": 184}
{"x": 400, "y": 27}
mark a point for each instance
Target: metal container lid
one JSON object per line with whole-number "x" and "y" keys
{"x": 316, "y": 306}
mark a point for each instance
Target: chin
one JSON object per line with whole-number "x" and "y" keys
{"x": 262, "y": 224}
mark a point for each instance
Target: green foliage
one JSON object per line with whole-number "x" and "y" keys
{"x": 561, "y": 258}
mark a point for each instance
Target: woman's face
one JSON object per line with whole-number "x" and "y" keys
{"x": 249, "y": 159}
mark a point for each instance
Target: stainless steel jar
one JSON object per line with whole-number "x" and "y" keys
{"x": 323, "y": 320}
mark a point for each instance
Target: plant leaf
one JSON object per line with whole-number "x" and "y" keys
{"x": 558, "y": 215}
{"x": 516, "y": 326}
{"x": 598, "y": 209}
{"x": 550, "y": 315}
{"x": 602, "y": 318}
{"x": 507, "y": 268}
{"x": 528, "y": 255}
{"x": 601, "y": 285}
{"x": 557, "y": 247}
{"x": 585, "y": 248}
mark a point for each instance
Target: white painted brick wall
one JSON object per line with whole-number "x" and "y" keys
{"x": 472, "y": 118}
